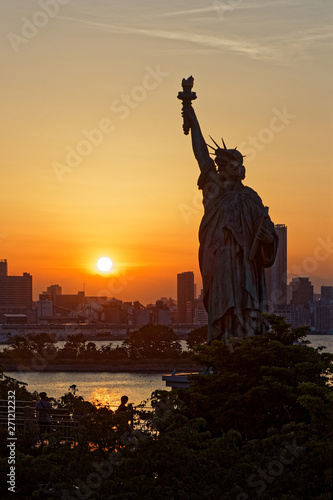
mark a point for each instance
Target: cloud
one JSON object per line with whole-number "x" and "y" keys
{"x": 282, "y": 48}
{"x": 228, "y": 5}
{"x": 255, "y": 50}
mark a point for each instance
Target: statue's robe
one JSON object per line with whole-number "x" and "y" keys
{"x": 232, "y": 259}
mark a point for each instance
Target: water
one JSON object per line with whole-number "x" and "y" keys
{"x": 321, "y": 340}
{"x": 109, "y": 387}
{"x": 105, "y": 387}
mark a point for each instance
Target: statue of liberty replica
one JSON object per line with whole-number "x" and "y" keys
{"x": 237, "y": 238}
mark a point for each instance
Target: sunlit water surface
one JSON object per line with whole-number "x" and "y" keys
{"x": 109, "y": 387}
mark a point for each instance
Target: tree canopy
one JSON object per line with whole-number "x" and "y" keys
{"x": 197, "y": 336}
{"x": 153, "y": 341}
{"x": 258, "y": 424}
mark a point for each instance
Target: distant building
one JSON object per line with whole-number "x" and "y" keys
{"x": 99, "y": 299}
{"x": 326, "y": 294}
{"x": 330, "y": 319}
{"x": 13, "y": 319}
{"x": 185, "y": 297}
{"x": 15, "y": 291}
{"x": 171, "y": 304}
{"x": 200, "y": 313}
{"x": 302, "y": 291}
{"x": 44, "y": 310}
{"x": 3, "y": 267}
{"x": 159, "y": 313}
{"x": 63, "y": 304}
{"x": 320, "y": 316}
{"x": 288, "y": 312}
{"x": 276, "y": 275}
{"x": 124, "y": 313}
{"x": 303, "y": 316}
{"x": 112, "y": 311}
{"x": 141, "y": 315}
{"x": 53, "y": 290}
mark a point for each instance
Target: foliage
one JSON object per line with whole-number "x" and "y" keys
{"x": 149, "y": 342}
{"x": 11, "y": 384}
{"x": 197, "y": 336}
{"x": 153, "y": 341}
{"x": 74, "y": 346}
{"x": 264, "y": 373}
{"x": 59, "y": 466}
{"x": 256, "y": 425}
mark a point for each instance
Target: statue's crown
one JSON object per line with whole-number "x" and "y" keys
{"x": 226, "y": 154}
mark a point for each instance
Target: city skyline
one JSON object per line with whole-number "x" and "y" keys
{"x": 184, "y": 284}
{"x": 296, "y": 302}
{"x": 94, "y": 159}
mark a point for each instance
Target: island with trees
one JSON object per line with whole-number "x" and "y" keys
{"x": 150, "y": 348}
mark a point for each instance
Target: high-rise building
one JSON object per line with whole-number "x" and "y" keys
{"x": 326, "y": 294}
{"x": 302, "y": 291}
{"x": 3, "y": 267}
{"x": 276, "y": 275}
{"x": 15, "y": 291}
{"x": 185, "y": 297}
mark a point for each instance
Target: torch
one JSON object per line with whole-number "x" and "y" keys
{"x": 187, "y": 96}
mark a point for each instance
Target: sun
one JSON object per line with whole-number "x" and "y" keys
{"x": 104, "y": 264}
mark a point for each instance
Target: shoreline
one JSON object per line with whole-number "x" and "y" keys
{"x": 121, "y": 368}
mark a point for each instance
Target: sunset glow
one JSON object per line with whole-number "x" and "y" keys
{"x": 94, "y": 156}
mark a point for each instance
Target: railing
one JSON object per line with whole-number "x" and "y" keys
{"x": 63, "y": 420}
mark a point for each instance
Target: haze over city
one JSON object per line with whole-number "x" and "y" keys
{"x": 94, "y": 159}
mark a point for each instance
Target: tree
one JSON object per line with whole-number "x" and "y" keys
{"x": 197, "y": 336}
{"x": 153, "y": 341}
{"x": 40, "y": 341}
{"x": 74, "y": 346}
{"x": 256, "y": 383}
{"x": 257, "y": 424}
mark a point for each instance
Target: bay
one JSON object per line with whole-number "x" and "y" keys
{"x": 107, "y": 388}
{"x": 104, "y": 387}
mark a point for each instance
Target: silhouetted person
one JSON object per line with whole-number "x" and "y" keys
{"x": 122, "y": 407}
{"x": 126, "y": 421}
{"x": 44, "y": 408}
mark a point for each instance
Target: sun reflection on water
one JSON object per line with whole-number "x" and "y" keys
{"x": 104, "y": 397}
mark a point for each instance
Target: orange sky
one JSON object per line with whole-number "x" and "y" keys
{"x": 263, "y": 76}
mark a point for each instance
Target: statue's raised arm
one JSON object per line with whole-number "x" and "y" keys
{"x": 200, "y": 149}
